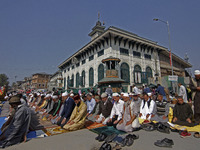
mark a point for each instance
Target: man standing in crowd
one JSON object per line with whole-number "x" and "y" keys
{"x": 109, "y": 90}
{"x": 117, "y": 110}
{"x": 182, "y": 92}
{"x": 195, "y": 87}
{"x": 160, "y": 89}
{"x": 19, "y": 125}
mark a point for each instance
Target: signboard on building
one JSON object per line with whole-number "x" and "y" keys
{"x": 173, "y": 78}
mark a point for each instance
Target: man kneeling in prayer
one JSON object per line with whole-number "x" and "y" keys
{"x": 161, "y": 110}
{"x": 128, "y": 117}
{"x": 78, "y": 116}
{"x": 182, "y": 113}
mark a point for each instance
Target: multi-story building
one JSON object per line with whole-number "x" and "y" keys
{"x": 134, "y": 59}
{"x": 40, "y": 81}
{"x": 55, "y": 81}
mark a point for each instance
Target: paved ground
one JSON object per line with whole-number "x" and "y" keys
{"x": 85, "y": 140}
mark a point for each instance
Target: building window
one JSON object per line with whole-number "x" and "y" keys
{"x": 39, "y": 85}
{"x": 136, "y": 54}
{"x": 100, "y": 72}
{"x": 91, "y": 77}
{"x": 77, "y": 80}
{"x": 65, "y": 71}
{"x": 137, "y": 74}
{"x": 72, "y": 81}
{"x": 125, "y": 74}
{"x": 78, "y": 64}
{"x": 83, "y": 61}
{"x": 100, "y": 53}
{"x": 147, "y": 56}
{"x": 83, "y": 79}
{"x": 68, "y": 82}
{"x": 72, "y": 67}
{"x": 91, "y": 57}
{"x": 124, "y": 51}
{"x": 68, "y": 69}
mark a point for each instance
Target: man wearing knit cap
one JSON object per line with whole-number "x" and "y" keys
{"x": 78, "y": 116}
{"x": 19, "y": 125}
{"x": 117, "y": 110}
{"x": 105, "y": 108}
{"x": 195, "y": 87}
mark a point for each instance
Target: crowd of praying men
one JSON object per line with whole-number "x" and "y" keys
{"x": 71, "y": 111}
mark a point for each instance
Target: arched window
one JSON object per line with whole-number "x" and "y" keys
{"x": 72, "y": 81}
{"x": 100, "y": 72}
{"x": 68, "y": 82}
{"x": 91, "y": 77}
{"x": 125, "y": 74}
{"x": 64, "y": 82}
{"x": 77, "y": 80}
{"x": 137, "y": 74}
{"x": 148, "y": 72}
{"x": 83, "y": 78}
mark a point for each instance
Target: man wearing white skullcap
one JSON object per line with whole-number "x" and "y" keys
{"x": 117, "y": 110}
{"x": 195, "y": 88}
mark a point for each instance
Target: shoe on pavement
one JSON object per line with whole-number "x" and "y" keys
{"x": 162, "y": 143}
{"x": 196, "y": 135}
{"x": 117, "y": 147}
{"x": 170, "y": 141}
{"x": 185, "y": 134}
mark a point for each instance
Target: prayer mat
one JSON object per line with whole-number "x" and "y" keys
{"x": 54, "y": 131}
{"x": 47, "y": 124}
{"x": 91, "y": 125}
{"x": 36, "y": 134}
{"x": 2, "y": 121}
{"x": 108, "y": 130}
{"x": 189, "y": 129}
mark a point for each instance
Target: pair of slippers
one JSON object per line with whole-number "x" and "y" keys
{"x": 196, "y": 135}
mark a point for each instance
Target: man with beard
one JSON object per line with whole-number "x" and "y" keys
{"x": 78, "y": 116}
{"x": 18, "y": 127}
{"x": 195, "y": 87}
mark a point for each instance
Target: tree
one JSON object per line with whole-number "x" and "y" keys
{"x": 4, "y": 80}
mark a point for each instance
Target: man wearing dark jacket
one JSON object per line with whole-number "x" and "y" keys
{"x": 104, "y": 109}
{"x": 67, "y": 111}
{"x": 18, "y": 127}
{"x": 182, "y": 113}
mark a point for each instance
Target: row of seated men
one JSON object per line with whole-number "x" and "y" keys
{"x": 71, "y": 112}
{"x": 122, "y": 111}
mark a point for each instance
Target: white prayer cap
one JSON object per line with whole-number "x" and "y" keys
{"x": 115, "y": 94}
{"x": 10, "y": 95}
{"x": 48, "y": 95}
{"x": 6, "y": 97}
{"x": 122, "y": 93}
{"x": 196, "y": 72}
{"x": 64, "y": 94}
{"x": 54, "y": 96}
{"x": 109, "y": 85}
{"x": 38, "y": 94}
{"x": 126, "y": 95}
{"x": 71, "y": 94}
{"x": 149, "y": 94}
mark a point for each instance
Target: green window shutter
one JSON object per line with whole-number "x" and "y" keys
{"x": 91, "y": 77}
{"x": 125, "y": 73}
{"x": 100, "y": 72}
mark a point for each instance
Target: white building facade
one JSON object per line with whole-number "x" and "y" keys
{"x": 139, "y": 59}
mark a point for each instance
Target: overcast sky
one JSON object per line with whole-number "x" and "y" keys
{"x": 38, "y": 35}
